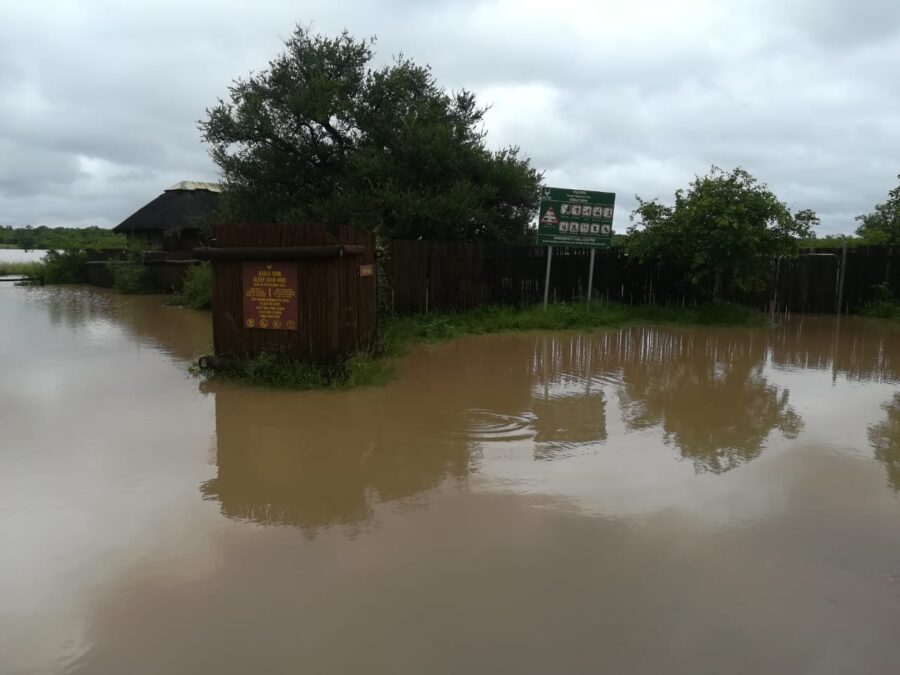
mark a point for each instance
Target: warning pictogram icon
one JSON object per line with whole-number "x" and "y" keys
{"x": 549, "y": 218}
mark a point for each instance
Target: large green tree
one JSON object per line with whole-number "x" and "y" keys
{"x": 723, "y": 231}
{"x": 882, "y": 226}
{"x": 322, "y": 136}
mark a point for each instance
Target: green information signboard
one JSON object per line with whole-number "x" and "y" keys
{"x": 575, "y": 218}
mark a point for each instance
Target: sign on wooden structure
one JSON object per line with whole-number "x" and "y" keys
{"x": 270, "y": 295}
{"x": 296, "y": 290}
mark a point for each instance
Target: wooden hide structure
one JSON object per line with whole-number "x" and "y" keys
{"x": 335, "y": 289}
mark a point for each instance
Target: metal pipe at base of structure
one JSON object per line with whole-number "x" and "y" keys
{"x": 210, "y": 362}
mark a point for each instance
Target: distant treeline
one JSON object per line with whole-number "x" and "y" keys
{"x": 59, "y": 238}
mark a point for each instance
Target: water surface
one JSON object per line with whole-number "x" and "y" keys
{"x": 18, "y": 255}
{"x": 640, "y": 501}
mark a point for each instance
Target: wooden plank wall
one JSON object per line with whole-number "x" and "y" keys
{"x": 336, "y": 307}
{"x": 446, "y": 276}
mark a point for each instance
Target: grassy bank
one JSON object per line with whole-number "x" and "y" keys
{"x": 400, "y": 334}
{"x": 882, "y": 310}
{"x": 56, "y": 267}
{"x": 26, "y": 269}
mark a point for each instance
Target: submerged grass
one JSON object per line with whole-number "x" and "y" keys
{"x": 399, "y": 334}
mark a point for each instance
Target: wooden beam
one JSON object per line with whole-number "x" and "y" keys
{"x": 238, "y": 253}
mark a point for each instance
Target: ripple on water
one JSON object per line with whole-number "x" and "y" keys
{"x": 574, "y": 385}
{"x": 487, "y": 426}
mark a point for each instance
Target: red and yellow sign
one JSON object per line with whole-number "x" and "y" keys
{"x": 270, "y": 295}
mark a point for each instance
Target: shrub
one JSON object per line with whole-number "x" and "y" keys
{"x": 723, "y": 232}
{"x": 884, "y": 305}
{"x": 131, "y": 276}
{"x": 197, "y": 290}
{"x": 64, "y": 267}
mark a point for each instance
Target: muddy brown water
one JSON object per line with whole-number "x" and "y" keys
{"x": 651, "y": 500}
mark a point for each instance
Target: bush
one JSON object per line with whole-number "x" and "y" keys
{"x": 197, "y": 290}
{"x": 64, "y": 267}
{"x": 882, "y": 310}
{"x": 723, "y": 232}
{"x": 131, "y": 276}
{"x": 884, "y": 305}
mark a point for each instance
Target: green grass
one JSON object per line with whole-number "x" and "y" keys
{"x": 363, "y": 369}
{"x": 27, "y": 269}
{"x": 400, "y": 334}
{"x": 56, "y": 267}
{"x": 883, "y": 309}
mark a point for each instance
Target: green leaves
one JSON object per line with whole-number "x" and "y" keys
{"x": 723, "y": 230}
{"x": 321, "y": 136}
{"x": 882, "y": 226}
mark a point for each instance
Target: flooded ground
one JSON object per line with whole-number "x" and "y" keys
{"x": 639, "y": 501}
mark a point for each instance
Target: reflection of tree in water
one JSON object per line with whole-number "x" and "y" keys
{"x": 885, "y": 440}
{"x": 706, "y": 391}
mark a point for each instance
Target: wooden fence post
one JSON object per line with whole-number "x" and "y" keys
{"x": 840, "y": 298}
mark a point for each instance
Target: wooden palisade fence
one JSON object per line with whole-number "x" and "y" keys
{"x": 440, "y": 276}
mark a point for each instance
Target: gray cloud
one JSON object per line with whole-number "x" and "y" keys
{"x": 99, "y": 102}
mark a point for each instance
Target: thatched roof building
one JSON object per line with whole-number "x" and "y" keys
{"x": 172, "y": 221}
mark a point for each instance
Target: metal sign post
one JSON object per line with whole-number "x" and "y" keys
{"x": 547, "y": 276}
{"x": 591, "y": 275}
{"x": 577, "y": 218}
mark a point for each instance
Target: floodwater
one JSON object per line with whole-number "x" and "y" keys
{"x": 652, "y": 500}
{"x": 18, "y": 255}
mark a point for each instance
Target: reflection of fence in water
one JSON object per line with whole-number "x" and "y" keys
{"x": 858, "y": 349}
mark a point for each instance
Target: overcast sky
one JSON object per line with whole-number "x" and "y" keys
{"x": 99, "y": 98}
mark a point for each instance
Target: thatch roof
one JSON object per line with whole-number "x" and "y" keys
{"x": 183, "y": 206}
